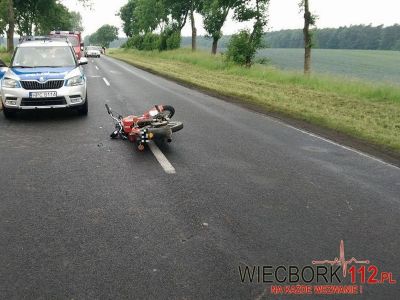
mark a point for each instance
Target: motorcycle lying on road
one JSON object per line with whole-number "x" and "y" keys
{"x": 154, "y": 125}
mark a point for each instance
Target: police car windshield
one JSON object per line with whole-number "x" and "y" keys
{"x": 34, "y": 57}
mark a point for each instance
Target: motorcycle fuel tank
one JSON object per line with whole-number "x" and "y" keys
{"x": 128, "y": 123}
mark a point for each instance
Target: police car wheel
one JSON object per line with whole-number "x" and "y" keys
{"x": 83, "y": 110}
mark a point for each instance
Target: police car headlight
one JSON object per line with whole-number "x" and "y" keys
{"x": 11, "y": 83}
{"x": 74, "y": 81}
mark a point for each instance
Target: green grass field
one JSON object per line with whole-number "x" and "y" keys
{"x": 375, "y": 66}
{"x": 367, "y": 112}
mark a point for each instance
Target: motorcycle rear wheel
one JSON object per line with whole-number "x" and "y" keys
{"x": 175, "y": 125}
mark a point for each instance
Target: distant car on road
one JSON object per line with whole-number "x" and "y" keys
{"x": 92, "y": 51}
{"x": 44, "y": 74}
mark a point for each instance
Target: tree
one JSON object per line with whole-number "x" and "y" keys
{"x": 104, "y": 35}
{"x": 195, "y": 5}
{"x": 76, "y": 21}
{"x": 243, "y": 47}
{"x": 309, "y": 20}
{"x": 177, "y": 12}
{"x": 50, "y": 15}
{"x": 169, "y": 16}
{"x": 127, "y": 15}
{"x": 24, "y": 16}
{"x": 193, "y": 25}
{"x": 214, "y": 14}
{"x": 180, "y": 10}
{"x": 30, "y": 14}
{"x": 3, "y": 16}
{"x": 11, "y": 25}
{"x": 149, "y": 14}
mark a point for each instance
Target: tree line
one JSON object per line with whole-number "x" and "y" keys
{"x": 36, "y": 17}
{"x": 157, "y": 24}
{"x": 142, "y": 18}
{"x": 365, "y": 37}
{"x": 373, "y": 38}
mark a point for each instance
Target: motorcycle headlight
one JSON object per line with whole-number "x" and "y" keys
{"x": 11, "y": 83}
{"x": 74, "y": 81}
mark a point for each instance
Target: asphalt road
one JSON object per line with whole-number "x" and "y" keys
{"x": 86, "y": 217}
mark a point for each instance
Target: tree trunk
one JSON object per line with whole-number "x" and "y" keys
{"x": 307, "y": 38}
{"x": 194, "y": 30}
{"x": 214, "y": 46}
{"x": 11, "y": 26}
{"x": 307, "y": 60}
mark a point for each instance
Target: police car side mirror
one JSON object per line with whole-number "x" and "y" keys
{"x": 83, "y": 61}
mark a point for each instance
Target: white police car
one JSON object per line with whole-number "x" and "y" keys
{"x": 44, "y": 74}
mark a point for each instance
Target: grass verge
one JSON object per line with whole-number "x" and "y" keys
{"x": 370, "y": 113}
{"x": 6, "y": 57}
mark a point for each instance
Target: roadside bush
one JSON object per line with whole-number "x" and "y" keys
{"x": 150, "y": 42}
{"x": 170, "y": 39}
{"x": 241, "y": 49}
{"x": 135, "y": 42}
{"x": 174, "y": 41}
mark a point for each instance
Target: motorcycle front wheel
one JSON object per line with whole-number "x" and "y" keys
{"x": 168, "y": 111}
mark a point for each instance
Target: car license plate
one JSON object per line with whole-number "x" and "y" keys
{"x": 42, "y": 94}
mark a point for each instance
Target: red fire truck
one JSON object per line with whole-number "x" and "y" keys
{"x": 74, "y": 37}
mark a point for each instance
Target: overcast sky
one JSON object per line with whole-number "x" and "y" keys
{"x": 284, "y": 14}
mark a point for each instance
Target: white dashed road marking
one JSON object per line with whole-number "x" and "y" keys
{"x": 106, "y": 81}
{"x": 97, "y": 68}
{"x": 164, "y": 162}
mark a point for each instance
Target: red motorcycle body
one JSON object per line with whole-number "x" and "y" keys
{"x": 154, "y": 124}
{"x": 132, "y": 131}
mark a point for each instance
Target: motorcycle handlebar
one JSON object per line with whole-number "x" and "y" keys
{"x": 108, "y": 109}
